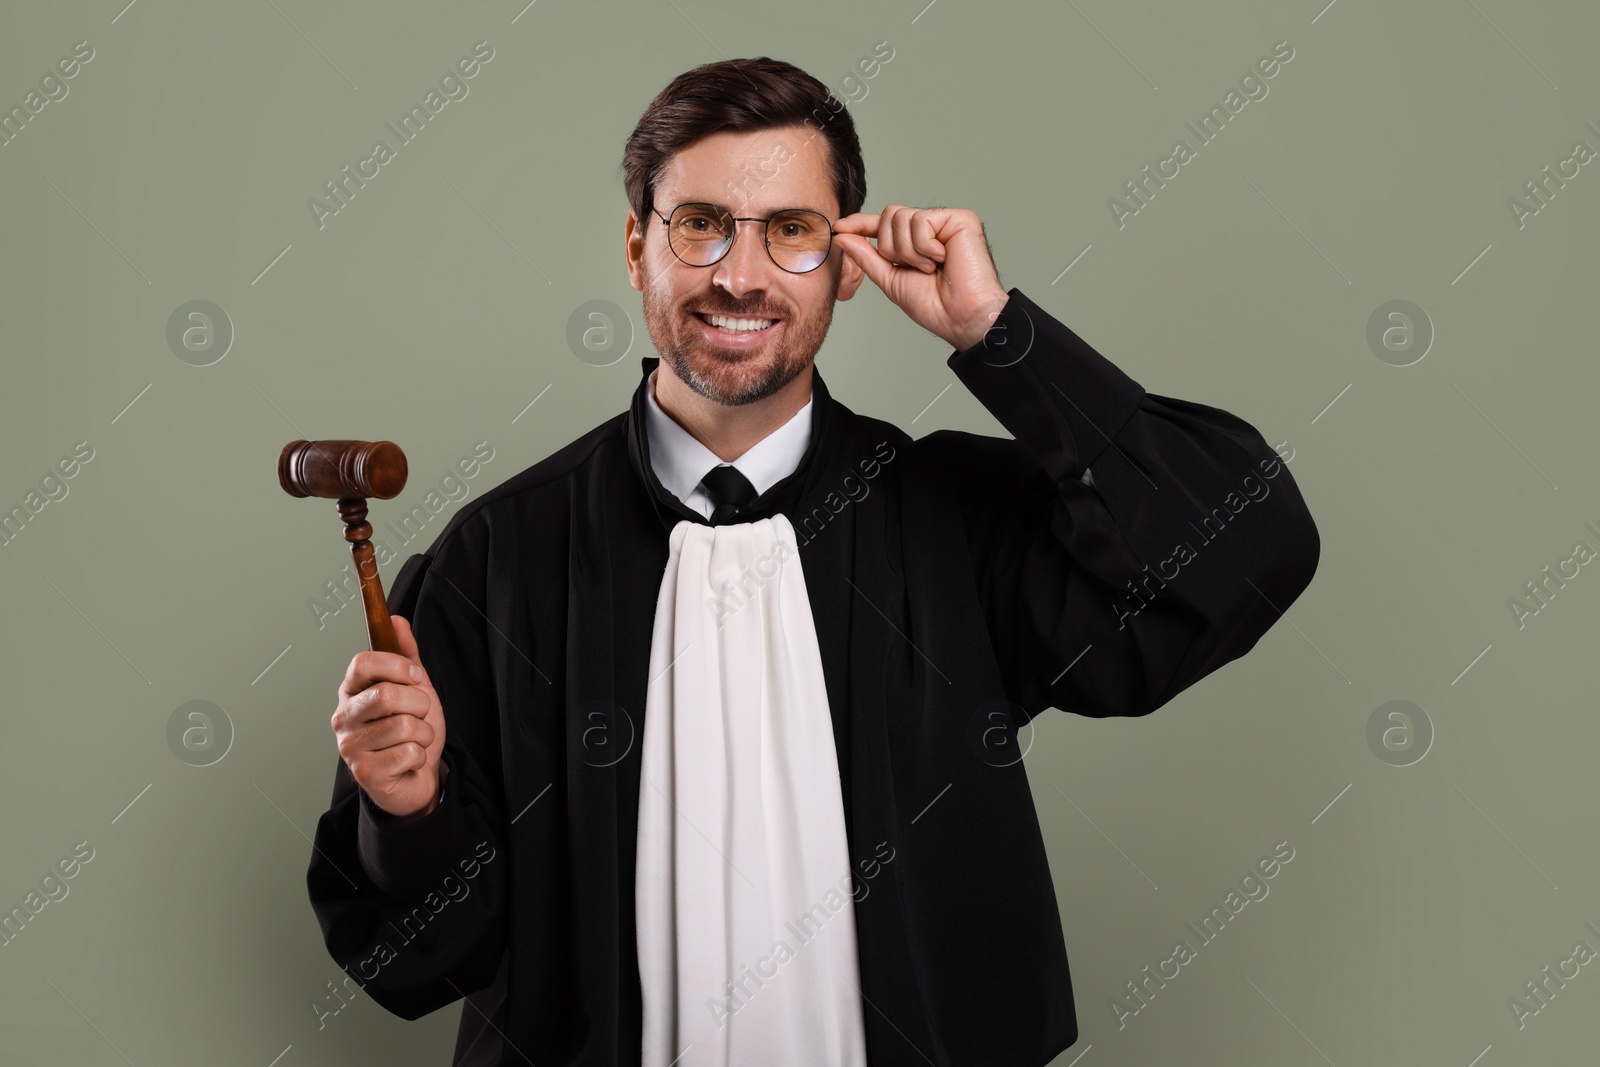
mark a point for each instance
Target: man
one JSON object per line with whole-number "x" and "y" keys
{"x": 702, "y": 746}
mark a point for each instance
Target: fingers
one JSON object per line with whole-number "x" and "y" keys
{"x": 861, "y": 223}
{"x": 924, "y": 237}
{"x": 383, "y": 765}
{"x": 906, "y": 236}
{"x": 880, "y": 270}
{"x": 391, "y": 730}
{"x": 898, "y": 239}
{"x": 367, "y": 668}
{"x": 405, "y": 638}
{"x": 378, "y": 703}
{"x": 911, "y": 238}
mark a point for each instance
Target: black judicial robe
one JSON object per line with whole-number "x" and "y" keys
{"x": 953, "y": 580}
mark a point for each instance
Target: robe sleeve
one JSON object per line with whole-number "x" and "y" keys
{"x": 1110, "y": 596}
{"x": 416, "y": 914}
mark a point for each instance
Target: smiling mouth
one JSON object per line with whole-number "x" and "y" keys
{"x": 731, "y": 337}
{"x": 737, "y": 323}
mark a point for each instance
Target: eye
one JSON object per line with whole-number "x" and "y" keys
{"x": 699, "y": 223}
{"x": 794, "y": 225}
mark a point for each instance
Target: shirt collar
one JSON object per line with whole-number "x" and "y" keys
{"x": 680, "y": 461}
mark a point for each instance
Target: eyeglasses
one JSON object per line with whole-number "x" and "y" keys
{"x": 798, "y": 240}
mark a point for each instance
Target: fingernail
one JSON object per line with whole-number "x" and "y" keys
{"x": 416, "y": 673}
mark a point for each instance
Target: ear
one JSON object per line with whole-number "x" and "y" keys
{"x": 850, "y": 277}
{"x": 633, "y": 251}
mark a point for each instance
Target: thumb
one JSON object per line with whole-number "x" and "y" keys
{"x": 406, "y": 639}
{"x": 867, "y": 256}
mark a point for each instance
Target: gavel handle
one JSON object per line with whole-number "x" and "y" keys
{"x": 380, "y": 628}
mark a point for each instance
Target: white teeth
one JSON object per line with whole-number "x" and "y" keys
{"x": 739, "y": 325}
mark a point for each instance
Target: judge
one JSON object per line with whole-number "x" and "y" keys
{"x": 702, "y": 748}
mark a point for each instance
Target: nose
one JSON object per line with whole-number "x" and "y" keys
{"x": 746, "y": 267}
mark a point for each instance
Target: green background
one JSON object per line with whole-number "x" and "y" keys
{"x": 434, "y": 308}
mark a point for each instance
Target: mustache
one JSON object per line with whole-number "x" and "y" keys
{"x": 736, "y": 313}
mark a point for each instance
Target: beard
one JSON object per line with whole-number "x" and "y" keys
{"x": 728, "y": 376}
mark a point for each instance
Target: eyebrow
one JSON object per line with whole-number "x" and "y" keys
{"x": 725, "y": 207}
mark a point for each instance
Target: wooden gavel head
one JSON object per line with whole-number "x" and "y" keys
{"x": 351, "y": 472}
{"x": 342, "y": 470}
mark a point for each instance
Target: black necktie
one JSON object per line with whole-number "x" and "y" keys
{"x": 729, "y": 491}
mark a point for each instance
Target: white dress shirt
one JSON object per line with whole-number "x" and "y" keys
{"x": 680, "y": 461}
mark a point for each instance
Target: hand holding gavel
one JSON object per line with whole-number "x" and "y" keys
{"x": 390, "y": 727}
{"x": 389, "y": 722}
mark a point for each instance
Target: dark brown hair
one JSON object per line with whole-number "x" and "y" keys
{"x": 741, "y": 96}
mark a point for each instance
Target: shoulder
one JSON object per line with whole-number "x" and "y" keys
{"x": 866, "y": 437}
{"x": 961, "y": 458}
{"x": 980, "y": 481}
{"x": 542, "y": 488}
{"x": 945, "y": 471}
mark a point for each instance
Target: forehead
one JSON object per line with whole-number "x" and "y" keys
{"x": 759, "y": 170}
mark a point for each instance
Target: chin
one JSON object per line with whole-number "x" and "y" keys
{"x": 732, "y": 378}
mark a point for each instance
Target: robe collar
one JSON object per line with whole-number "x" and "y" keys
{"x": 681, "y": 460}
{"x": 783, "y": 495}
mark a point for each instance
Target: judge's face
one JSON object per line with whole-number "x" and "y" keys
{"x": 753, "y": 175}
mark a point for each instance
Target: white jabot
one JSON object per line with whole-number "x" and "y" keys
{"x": 680, "y": 461}
{"x": 744, "y": 895}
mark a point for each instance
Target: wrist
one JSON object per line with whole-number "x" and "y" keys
{"x": 401, "y": 821}
{"x": 978, "y": 327}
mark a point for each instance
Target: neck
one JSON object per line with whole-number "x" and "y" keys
{"x": 729, "y": 432}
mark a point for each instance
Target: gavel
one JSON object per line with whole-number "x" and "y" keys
{"x": 351, "y": 472}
